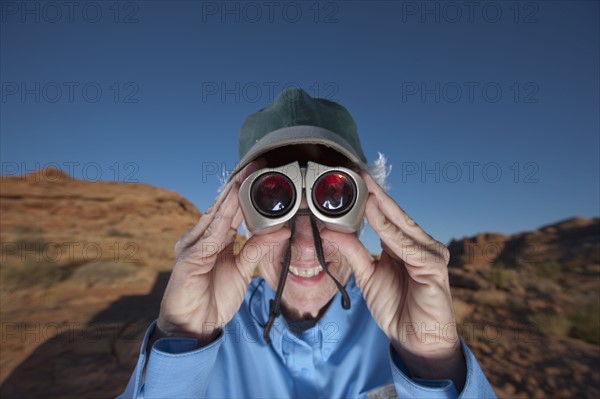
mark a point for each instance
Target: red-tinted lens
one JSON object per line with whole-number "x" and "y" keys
{"x": 334, "y": 193}
{"x": 273, "y": 194}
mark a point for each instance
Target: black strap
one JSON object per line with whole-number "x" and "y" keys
{"x": 275, "y": 304}
{"x": 321, "y": 257}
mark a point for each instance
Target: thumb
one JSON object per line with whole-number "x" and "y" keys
{"x": 349, "y": 246}
{"x": 259, "y": 248}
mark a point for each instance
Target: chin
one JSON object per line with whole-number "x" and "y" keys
{"x": 302, "y": 303}
{"x": 305, "y": 297}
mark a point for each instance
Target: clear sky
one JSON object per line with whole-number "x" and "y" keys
{"x": 487, "y": 110}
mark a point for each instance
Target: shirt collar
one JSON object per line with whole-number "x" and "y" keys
{"x": 331, "y": 329}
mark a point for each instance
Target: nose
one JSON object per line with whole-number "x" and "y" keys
{"x": 303, "y": 242}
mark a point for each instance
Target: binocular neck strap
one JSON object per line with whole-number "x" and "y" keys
{"x": 275, "y": 304}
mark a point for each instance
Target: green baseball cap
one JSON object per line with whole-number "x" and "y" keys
{"x": 294, "y": 117}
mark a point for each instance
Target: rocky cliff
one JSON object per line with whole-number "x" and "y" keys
{"x": 83, "y": 267}
{"x": 529, "y": 305}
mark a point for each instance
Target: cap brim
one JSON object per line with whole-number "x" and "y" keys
{"x": 302, "y": 134}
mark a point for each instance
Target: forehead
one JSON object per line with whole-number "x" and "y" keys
{"x": 302, "y": 153}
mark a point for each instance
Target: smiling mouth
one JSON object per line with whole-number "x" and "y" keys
{"x": 304, "y": 272}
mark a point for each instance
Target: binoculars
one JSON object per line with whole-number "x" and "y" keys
{"x": 270, "y": 197}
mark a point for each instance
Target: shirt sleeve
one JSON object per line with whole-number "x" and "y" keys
{"x": 176, "y": 368}
{"x": 476, "y": 384}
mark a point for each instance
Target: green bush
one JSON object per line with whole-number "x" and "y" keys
{"x": 549, "y": 270}
{"x": 592, "y": 268}
{"x": 586, "y": 323}
{"x": 32, "y": 274}
{"x": 29, "y": 245}
{"x": 103, "y": 273}
{"x": 552, "y": 325}
{"x": 112, "y": 232}
{"x": 27, "y": 230}
{"x": 497, "y": 276}
{"x": 30, "y": 239}
{"x": 500, "y": 277}
{"x": 544, "y": 286}
{"x": 45, "y": 274}
{"x": 516, "y": 304}
{"x": 493, "y": 298}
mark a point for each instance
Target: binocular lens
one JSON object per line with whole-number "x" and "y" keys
{"x": 273, "y": 194}
{"x": 334, "y": 193}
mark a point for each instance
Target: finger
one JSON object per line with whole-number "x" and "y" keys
{"x": 261, "y": 248}
{"x": 414, "y": 238}
{"x": 237, "y": 219}
{"x": 394, "y": 212}
{"x": 233, "y": 182}
{"x": 401, "y": 244}
{"x": 215, "y": 241}
{"x": 201, "y": 256}
{"x": 350, "y": 247}
{"x": 205, "y": 220}
{"x": 239, "y": 177}
{"x": 221, "y": 225}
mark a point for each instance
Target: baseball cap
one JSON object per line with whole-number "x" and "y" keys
{"x": 294, "y": 117}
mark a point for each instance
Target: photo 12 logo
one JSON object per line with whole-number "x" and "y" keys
{"x": 469, "y": 12}
{"x": 70, "y": 332}
{"x": 469, "y": 171}
{"x": 69, "y": 252}
{"x": 254, "y": 92}
{"x": 69, "y": 92}
{"x": 270, "y": 12}
{"x": 70, "y": 12}
{"x": 469, "y": 92}
{"x": 124, "y": 172}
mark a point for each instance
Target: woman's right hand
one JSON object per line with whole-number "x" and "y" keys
{"x": 208, "y": 282}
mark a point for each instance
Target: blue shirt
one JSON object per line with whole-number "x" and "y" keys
{"x": 344, "y": 355}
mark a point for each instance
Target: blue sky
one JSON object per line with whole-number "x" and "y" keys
{"x": 488, "y": 111}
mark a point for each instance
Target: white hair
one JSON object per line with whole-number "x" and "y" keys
{"x": 224, "y": 178}
{"x": 380, "y": 170}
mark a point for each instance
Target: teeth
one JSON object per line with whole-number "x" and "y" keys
{"x": 306, "y": 273}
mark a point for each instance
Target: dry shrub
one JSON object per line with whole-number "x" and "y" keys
{"x": 516, "y": 304}
{"x": 104, "y": 273}
{"x": 113, "y": 232}
{"x": 552, "y": 325}
{"x": 543, "y": 285}
{"x": 494, "y": 298}
{"x": 591, "y": 268}
{"x": 586, "y": 323}
{"x": 500, "y": 277}
{"x": 27, "y": 230}
{"x": 30, "y": 274}
{"x": 549, "y": 270}
{"x": 462, "y": 310}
